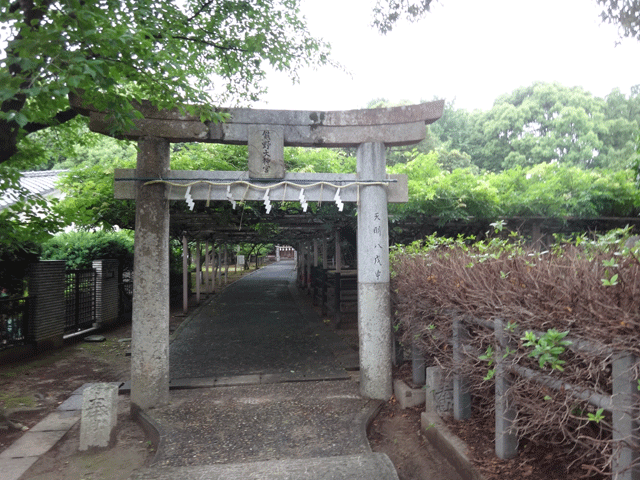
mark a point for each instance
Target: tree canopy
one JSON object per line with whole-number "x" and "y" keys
{"x": 623, "y": 13}
{"x": 115, "y": 52}
{"x": 546, "y": 122}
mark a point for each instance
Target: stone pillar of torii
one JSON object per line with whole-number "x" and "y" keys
{"x": 152, "y": 184}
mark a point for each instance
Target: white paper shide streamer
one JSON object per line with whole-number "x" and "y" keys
{"x": 189, "y": 199}
{"x": 267, "y": 201}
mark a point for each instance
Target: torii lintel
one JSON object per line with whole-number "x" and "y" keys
{"x": 395, "y": 126}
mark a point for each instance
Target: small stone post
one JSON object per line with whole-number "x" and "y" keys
{"x": 461, "y": 395}
{"x": 374, "y": 307}
{"x": 99, "y": 415}
{"x": 150, "y": 316}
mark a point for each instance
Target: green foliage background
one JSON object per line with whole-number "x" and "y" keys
{"x": 80, "y": 248}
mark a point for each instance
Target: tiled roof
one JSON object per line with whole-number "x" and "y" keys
{"x": 41, "y": 183}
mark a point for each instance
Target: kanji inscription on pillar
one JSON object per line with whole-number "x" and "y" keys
{"x": 378, "y": 250}
{"x": 266, "y": 151}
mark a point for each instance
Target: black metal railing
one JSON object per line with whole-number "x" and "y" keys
{"x": 14, "y": 321}
{"x": 80, "y": 298}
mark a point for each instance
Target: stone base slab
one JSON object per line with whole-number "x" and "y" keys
{"x": 406, "y": 396}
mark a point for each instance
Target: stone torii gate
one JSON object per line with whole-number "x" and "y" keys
{"x": 266, "y": 132}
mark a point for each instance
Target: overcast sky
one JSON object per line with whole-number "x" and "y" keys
{"x": 468, "y": 50}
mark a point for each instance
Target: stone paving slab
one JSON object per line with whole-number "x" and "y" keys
{"x": 13, "y": 468}
{"x": 371, "y": 466}
{"x": 74, "y": 402}
{"x": 33, "y": 444}
{"x": 263, "y": 423}
{"x": 58, "y": 420}
{"x": 25, "y": 451}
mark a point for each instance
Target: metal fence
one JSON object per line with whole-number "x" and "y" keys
{"x": 14, "y": 321}
{"x": 80, "y": 298}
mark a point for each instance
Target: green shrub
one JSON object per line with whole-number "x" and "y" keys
{"x": 80, "y": 248}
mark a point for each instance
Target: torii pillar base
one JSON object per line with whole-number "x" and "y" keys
{"x": 150, "y": 316}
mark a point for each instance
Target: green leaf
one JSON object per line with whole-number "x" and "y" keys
{"x": 596, "y": 417}
{"x": 21, "y": 119}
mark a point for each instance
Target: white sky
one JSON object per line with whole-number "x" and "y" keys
{"x": 470, "y": 50}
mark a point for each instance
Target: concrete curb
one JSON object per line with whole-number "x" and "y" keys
{"x": 366, "y": 416}
{"x": 450, "y": 447}
{"x": 152, "y": 431}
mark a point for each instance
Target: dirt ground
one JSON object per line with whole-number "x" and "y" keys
{"x": 37, "y": 387}
{"x": 396, "y": 432}
{"x": 32, "y": 389}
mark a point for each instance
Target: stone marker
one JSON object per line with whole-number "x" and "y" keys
{"x": 439, "y": 396}
{"x": 99, "y": 415}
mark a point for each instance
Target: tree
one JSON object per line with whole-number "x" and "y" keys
{"x": 388, "y": 12}
{"x": 453, "y": 128}
{"x": 541, "y": 123}
{"x": 625, "y": 14}
{"x": 114, "y": 52}
{"x": 622, "y": 123}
